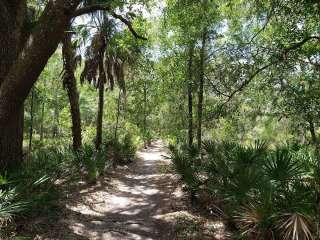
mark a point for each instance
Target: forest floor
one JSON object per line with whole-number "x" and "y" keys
{"x": 141, "y": 201}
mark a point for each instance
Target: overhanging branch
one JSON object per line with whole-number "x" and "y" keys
{"x": 90, "y": 9}
{"x": 301, "y": 43}
{"x": 129, "y": 25}
{"x": 245, "y": 83}
{"x": 100, "y": 7}
{"x": 268, "y": 18}
{"x": 292, "y": 47}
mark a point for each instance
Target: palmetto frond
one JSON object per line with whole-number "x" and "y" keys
{"x": 9, "y": 206}
{"x": 295, "y": 226}
{"x": 254, "y": 222}
{"x": 184, "y": 165}
{"x": 280, "y": 166}
{"x": 209, "y": 146}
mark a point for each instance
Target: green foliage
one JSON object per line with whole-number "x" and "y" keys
{"x": 35, "y": 181}
{"x": 267, "y": 193}
{"x": 121, "y": 151}
{"x": 85, "y": 159}
{"x": 185, "y": 160}
{"x": 261, "y": 81}
{"x": 9, "y": 205}
{"x": 34, "y": 188}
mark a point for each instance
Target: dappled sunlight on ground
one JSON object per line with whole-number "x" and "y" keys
{"x": 135, "y": 202}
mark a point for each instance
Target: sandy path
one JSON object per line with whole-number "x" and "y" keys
{"x": 139, "y": 202}
{"x": 128, "y": 205}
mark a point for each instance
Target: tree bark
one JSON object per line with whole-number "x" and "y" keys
{"x": 42, "y": 121}
{"x": 70, "y": 84}
{"x": 201, "y": 86}
{"x": 23, "y": 57}
{"x": 12, "y": 34}
{"x": 11, "y": 139}
{"x": 190, "y": 97}
{"x": 145, "y": 114}
{"x": 56, "y": 115}
{"x": 118, "y": 116}
{"x": 23, "y": 72}
{"x": 13, "y": 18}
{"x": 101, "y": 82}
{"x": 31, "y": 121}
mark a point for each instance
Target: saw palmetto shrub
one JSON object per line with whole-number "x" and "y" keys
{"x": 266, "y": 194}
{"x": 33, "y": 189}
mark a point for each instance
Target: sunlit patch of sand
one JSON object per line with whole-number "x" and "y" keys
{"x": 135, "y": 202}
{"x": 192, "y": 227}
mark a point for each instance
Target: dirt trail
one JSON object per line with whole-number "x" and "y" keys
{"x": 139, "y": 202}
{"x": 129, "y": 204}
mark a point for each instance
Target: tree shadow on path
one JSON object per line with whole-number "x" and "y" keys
{"x": 128, "y": 204}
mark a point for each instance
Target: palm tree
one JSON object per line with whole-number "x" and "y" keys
{"x": 70, "y": 61}
{"x": 102, "y": 67}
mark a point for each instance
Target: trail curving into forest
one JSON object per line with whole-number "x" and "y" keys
{"x": 129, "y": 204}
{"x": 138, "y": 202}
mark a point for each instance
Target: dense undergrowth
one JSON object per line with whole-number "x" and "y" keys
{"x": 34, "y": 188}
{"x": 264, "y": 193}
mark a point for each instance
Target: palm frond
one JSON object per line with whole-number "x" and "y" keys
{"x": 280, "y": 166}
{"x": 254, "y": 222}
{"x": 295, "y": 226}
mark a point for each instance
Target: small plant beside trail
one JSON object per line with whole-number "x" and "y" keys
{"x": 35, "y": 188}
{"x": 265, "y": 194}
{"x": 121, "y": 151}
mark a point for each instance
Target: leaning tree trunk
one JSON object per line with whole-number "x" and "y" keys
{"x": 190, "y": 101}
{"x": 102, "y": 80}
{"x": 201, "y": 86}
{"x": 19, "y": 72}
{"x": 70, "y": 84}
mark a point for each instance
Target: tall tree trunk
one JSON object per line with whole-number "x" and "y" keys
{"x": 70, "y": 84}
{"x": 31, "y": 121}
{"x": 201, "y": 85}
{"x": 190, "y": 101}
{"x": 11, "y": 139}
{"x": 145, "y": 114}
{"x": 19, "y": 72}
{"x": 55, "y": 128}
{"x": 42, "y": 121}
{"x": 118, "y": 116}
{"x": 102, "y": 80}
{"x": 12, "y": 34}
{"x": 100, "y": 116}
